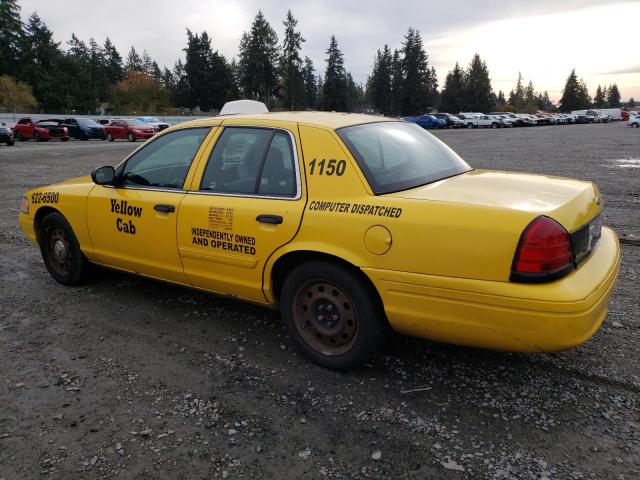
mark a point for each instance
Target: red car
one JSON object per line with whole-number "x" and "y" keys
{"x": 131, "y": 130}
{"x": 40, "y": 131}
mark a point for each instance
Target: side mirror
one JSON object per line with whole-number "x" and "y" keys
{"x": 104, "y": 175}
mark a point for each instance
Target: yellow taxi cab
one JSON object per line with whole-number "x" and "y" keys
{"x": 352, "y": 225}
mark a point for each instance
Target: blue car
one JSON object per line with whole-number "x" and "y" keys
{"x": 427, "y": 121}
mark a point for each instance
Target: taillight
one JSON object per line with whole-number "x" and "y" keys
{"x": 544, "y": 252}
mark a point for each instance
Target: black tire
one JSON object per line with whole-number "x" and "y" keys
{"x": 64, "y": 139}
{"x": 37, "y": 137}
{"x": 60, "y": 250}
{"x": 109, "y": 137}
{"x": 357, "y": 327}
{"x": 10, "y": 143}
{"x": 131, "y": 138}
{"x": 19, "y": 137}
{"x": 469, "y": 125}
{"x": 494, "y": 125}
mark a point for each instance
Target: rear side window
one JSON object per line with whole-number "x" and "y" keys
{"x": 165, "y": 161}
{"x": 398, "y": 156}
{"x": 251, "y": 161}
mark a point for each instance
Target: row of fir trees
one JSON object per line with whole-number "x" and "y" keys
{"x": 37, "y": 72}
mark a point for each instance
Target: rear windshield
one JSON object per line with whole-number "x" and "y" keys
{"x": 398, "y": 156}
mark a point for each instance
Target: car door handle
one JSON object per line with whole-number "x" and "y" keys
{"x": 274, "y": 219}
{"x": 164, "y": 208}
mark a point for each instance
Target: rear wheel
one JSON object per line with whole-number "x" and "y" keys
{"x": 10, "y": 143}
{"x": 494, "y": 125}
{"x": 109, "y": 137}
{"x": 37, "y": 137}
{"x": 131, "y": 137}
{"x": 333, "y": 317}
{"x": 469, "y": 125}
{"x": 61, "y": 252}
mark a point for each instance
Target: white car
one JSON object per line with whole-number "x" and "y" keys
{"x": 504, "y": 120}
{"x": 634, "y": 121}
{"x": 473, "y": 120}
{"x": 528, "y": 120}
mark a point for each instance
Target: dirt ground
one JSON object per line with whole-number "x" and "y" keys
{"x": 130, "y": 378}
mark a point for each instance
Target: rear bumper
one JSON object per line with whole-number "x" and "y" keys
{"x": 503, "y": 315}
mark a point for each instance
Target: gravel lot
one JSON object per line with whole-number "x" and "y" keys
{"x": 130, "y": 378}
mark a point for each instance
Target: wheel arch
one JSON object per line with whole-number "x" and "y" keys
{"x": 290, "y": 260}
{"x": 39, "y": 216}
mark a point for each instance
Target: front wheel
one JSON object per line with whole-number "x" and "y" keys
{"x": 10, "y": 143}
{"x": 469, "y": 125}
{"x": 131, "y": 137}
{"x": 109, "y": 137}
{"x": 37, "y": 137}
{"x": 333, "y": 316}
{"x": 61, "y": 252}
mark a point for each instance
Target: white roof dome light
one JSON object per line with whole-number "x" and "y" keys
{"x": 243, "y": 106}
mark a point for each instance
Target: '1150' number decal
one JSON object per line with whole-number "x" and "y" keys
{"x": 328, "y": 167}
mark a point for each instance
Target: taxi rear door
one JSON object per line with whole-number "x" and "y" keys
{"x": 246, "y": 201}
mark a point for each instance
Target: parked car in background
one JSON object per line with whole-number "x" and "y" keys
{"x": 634, "y": 121}
{"x": 155, "y": 122}
{"x": 6, "y": 134}
{"x": 43, "y": 130}
{"x": 450, "y": 121}
{"x": 104, "y": 121}
{"x": 426, "y": 121}
{"x": 584, "y": 118}
{"x": 479, "y": 120}
{"x": 84, "y": 128}
{"x": 512, "y": 117}
{"x": 131, "y": 130}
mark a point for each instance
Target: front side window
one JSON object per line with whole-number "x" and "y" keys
{"x": 251, "y": 161}
{"x": 165, "y": 161}
{"x": 398, "y": 156}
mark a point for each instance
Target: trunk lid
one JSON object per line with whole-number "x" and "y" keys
{"x": 572, "y": 203}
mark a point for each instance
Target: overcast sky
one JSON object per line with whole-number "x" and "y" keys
{"x": 543, "y": 39}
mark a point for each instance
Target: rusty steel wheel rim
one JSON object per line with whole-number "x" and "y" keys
{"x": 59, "y": 252}
{"x": 326, "y": 317}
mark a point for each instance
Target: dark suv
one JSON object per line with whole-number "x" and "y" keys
{"x": 84, "y": 128}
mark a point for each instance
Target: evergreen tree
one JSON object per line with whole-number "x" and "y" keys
{"x": 310, "y": 84}
{"x": 180, "y": 94}
{"x": 418, "y": 83}
{"x": 573, "y": 94}
{"x": 599, "y": 98}
{"x": 544, "y": 102}
{"x": 355, "y": 94}
{"x": 613, "y": 99}
{"x": 631, "y": 103}
{"x": 208, "y": 77}
{"x": 379, "y": 83}
{"x": 113, "y": 62}
{"x": 335, "y": 88}
{"x": 320, "y": 92}
{"x": 39, "y": 54}
{"x": 133, "y": 62}
{"x": 452, "y": 97}
{"x": 500, "y": 100}
{"x": 259, "y": 60}
{"x": 10, "y": 37}
{"x": 147, "y": 64}
{"x": 291, "y": 75}
{"x": 530, "y": 99}
{"x": 396, "y": 82}
{"x": 478, "y": 91}
{"x": 516, "y": 97}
